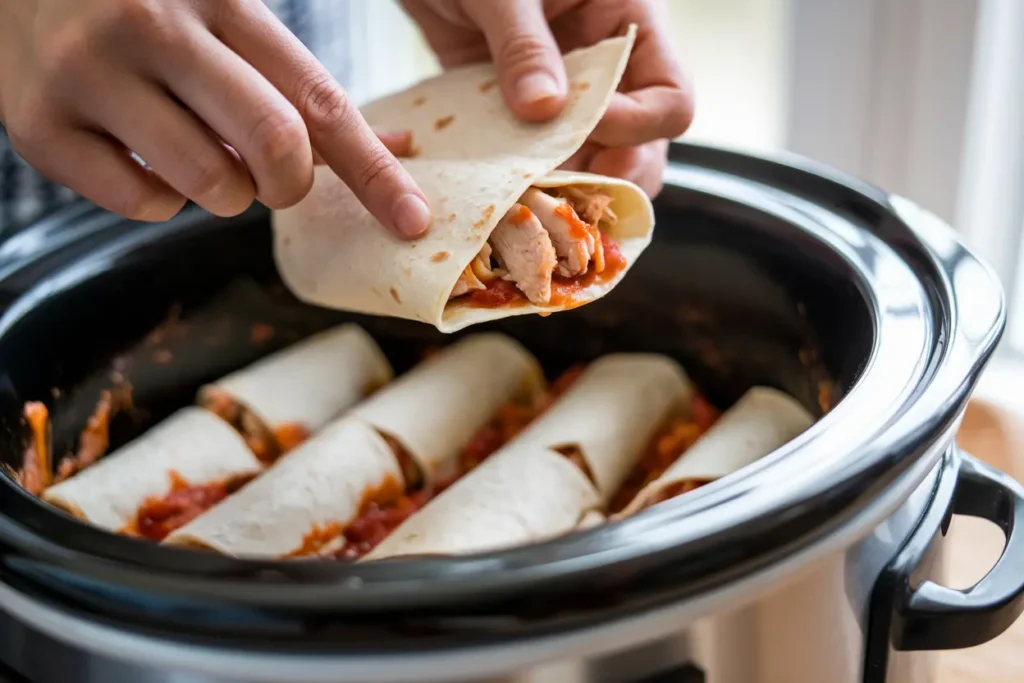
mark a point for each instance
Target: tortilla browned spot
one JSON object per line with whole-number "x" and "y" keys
{"x": 419, "y": 101}
{"x": 444, "y": 122}
{"x": 487, "y": 85}
{"x": 440, "y": 256}
{"x": 394, "y": 295}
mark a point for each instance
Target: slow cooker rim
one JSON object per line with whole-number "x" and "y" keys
{"x": 487, "y": 562}
{"x": 946, "y": 467}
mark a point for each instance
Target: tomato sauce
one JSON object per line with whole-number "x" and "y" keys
{"x": 564, "y": 291}
{"x": 377, "y": 519}
{"x": 521, "y": 215}
{"x": 668, "y": 445}
{"x": 159, "y": 516}
{"x": 318, "y": 538}
{"x": 291, "y": 435}
{"x": 577, "y": 228}
{"x": 36, "y": 471}
{"x": 94, "y": 440}
{"x": 381, "y": 514}
{"x": 498, "y": 293}
{"x": 266, "y": 445}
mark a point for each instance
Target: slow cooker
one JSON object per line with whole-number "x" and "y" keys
{"x": 819, "y": 564}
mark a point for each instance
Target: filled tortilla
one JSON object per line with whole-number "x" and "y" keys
{"x": 400, "y": 441}
{"x": 191, "y": 458}
{"x": 518, "y": 496}
{"x": 300, "y": 506}
{"x": 559, "y": 471}
{"x": 610, "y": 414}
{"x": 433, "y": 411}
{"x": 763, "y": 420}
{"x": 512, "y": 235}
{"x": 279, "y": 401}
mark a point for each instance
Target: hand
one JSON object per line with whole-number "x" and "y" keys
{"x": 526, "y": 38}
{"x": 222, "y": 102}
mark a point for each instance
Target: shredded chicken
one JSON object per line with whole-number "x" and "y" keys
{"x": 573, "y": 241}
{"x": 523, "y": 248}
{"x": 592, "y": 207}
{"x": 468, "y": 282}
{"x": 477, "y": 274}
{"x": 545, "y": 234}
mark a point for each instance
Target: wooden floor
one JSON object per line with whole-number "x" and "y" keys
{"x": 996, "y": 437}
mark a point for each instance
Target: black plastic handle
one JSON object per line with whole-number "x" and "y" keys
{"x": 928, "y": 616}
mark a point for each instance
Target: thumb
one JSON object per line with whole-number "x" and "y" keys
{"x": 529, "y": 64}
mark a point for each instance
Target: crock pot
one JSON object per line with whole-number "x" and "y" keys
{"x": 819, "y": 564}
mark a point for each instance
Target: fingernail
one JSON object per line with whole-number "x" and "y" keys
{"x": 536, "y": 87}
{"x": 411, "y": 215}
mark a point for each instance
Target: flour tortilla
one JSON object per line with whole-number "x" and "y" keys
{"x": 434, "y": 410}
{"x": 193, "y": 443}
{"x": 761, "y": 421}
{"x": 474, "y": 162}
{"x": 319, "y": 485}
{"x": 517, "y": 496}
{"x": 612, "y": 412}
{"x": 311, "y": 382}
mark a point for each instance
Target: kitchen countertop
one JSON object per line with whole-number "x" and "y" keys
{"x": 996, "y": 436}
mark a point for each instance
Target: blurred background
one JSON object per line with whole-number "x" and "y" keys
{"x": 924, "y": 98}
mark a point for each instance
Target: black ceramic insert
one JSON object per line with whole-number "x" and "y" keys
{"x": 739, "y": 290}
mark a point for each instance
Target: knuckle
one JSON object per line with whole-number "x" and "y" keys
{"x": 136, "y": 202}
{"x": 327, "y": 106}
{"x": 521, "y": 50}
{"x": 278, "y": 136}
{"x": 28, "y": 127}
{"x": 65, "y": 52}
{"x": 679, "y": 114}
{"x": 146, "y": 16}
{"x": 224, "y": 12}
{"x": 208, "y": 173}
{"x": 378, "y": 168}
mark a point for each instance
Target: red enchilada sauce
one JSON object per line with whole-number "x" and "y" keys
{"x": 379, "y": 516}
{"x": 668, "y": 445}
{"x": 564, "y": 291}
{"x": 158, "y": 516}
{"x": 291, "y": 435}
{"x": 266, "y": 445}
{"x": 94, "y": 440}
{"x": 36, "y": 472}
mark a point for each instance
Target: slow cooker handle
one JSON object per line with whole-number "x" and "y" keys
{"x": 932, "y": 617}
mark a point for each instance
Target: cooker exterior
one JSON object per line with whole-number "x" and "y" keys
{"x": 803, "y": 621}
{"x": 783, "y": 575}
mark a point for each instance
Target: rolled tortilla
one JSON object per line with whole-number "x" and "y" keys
{"x": 304, "y": 501}
{"x": 611, "y": 413}
{"x": 435, "y": 409}
{"x": 763, "y": 420}
{"x": 192, "y": 445}
{"x": 300, "y": 388}
{"x": 474, "y": 162}
{"x": 517, "y": 496}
